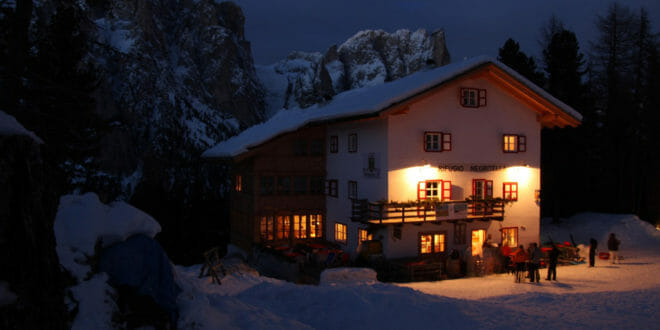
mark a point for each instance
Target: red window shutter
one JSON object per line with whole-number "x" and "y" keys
{"x": 421, "y": 190}
{"x": 482, "y": 97}
{"x": 522, "y": 143}
{"x": 446, "y": 142}
{"x": 514, "y": 191}
{"x": 446, "y": 190}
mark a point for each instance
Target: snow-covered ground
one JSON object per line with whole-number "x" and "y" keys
{"x": 625, "y": 295}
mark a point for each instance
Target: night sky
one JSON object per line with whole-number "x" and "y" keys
{"x": 472, "y": 28}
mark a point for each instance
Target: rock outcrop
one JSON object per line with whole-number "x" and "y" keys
{"x": 369, "y": 57}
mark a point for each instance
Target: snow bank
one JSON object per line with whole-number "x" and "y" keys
{"x": 81, "y": 220}
{"x": 10, "y": 126}
{"x": 636, "y": 235}
{"x": 348, "y": 276}
{"x": 95, "y": 304}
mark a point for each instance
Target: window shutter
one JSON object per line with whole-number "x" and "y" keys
{"x": 421, "y": 190}
{"x": 514, "y": 191}
{"x": 482, "y": 97}
{"x": 522, "y": 143}
{"x": 489, "y": 189}
{"x": 446, "y": 190}
{"x": 446, "y": 141}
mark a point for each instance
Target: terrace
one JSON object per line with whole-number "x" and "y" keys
{"x": 426, "y": 211}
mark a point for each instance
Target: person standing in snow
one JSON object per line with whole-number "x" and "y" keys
{"x": 553, "y": 257}
{"x": 534, "y": 263}
{"x": 613, "y": 247}
{"x": 592, "y": 251}
{"x": 519, "y": 258}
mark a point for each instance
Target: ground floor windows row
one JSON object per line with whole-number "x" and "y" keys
{"x": 341, "y": 234}
{"x": 296, "y": 226}
{"x": 436, "y": 242}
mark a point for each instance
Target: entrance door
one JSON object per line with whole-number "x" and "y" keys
{"x": 478, "y": 238}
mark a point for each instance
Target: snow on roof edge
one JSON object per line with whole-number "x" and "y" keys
{"x": 364, "y": 101}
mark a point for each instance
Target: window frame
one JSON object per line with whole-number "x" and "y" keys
{"x": 339, "y": 234}
{"x": 443, "y": 141}
{"x": 300, "y": 181}
{"x": 331, "y": 187}
{"x": 352, "y": 190}
{"x": 434, "y": 243}
{"x": 238, "y": 183}
{"x": 363, "y": 235}
{"x": 264, "y": 188}
{"x": 512, "y": 193}
{"x": 443, "y": 190}
{"x": 519, "y": 143}
{"x": 476, "y": 100}
{"x": 460, "y": 235}
{"x": 334, "y": 144}
{"x": 515, "y": 235}
{"x": 352, "y": 143}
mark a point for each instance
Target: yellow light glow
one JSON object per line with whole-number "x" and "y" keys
{"x": 416, "y": 174}
{"x": 520, "y": 174}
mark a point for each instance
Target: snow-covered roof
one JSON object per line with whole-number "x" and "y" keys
{"x": 363, "y": 102}
{"x": 10, "y": 126}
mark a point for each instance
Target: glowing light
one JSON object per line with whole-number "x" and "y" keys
{"x": 520, "y": 174}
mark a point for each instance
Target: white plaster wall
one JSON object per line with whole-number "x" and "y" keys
{"x": 344, "y": 166}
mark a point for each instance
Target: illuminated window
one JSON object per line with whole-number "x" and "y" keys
{"x": 315, "y": 225}
{"x": 434, "y": 189}
{"x": 238, "y": 183}
{"x": 266, "y": 226}
{"x": 352, "y": 190}
{"x": 459, "y": 233}
{"x": 510, "y": 236}
{"x": 431, "y": 243}
{"x": 352, "y": 143}
{"x": 437, "y": 141}
{"x": 266, "y": 185}
{"x": 340, "y": 232}
{"x": 331, "y": 188}
{"x": 283, "y": 226}
{"x": 512, "y": 143}
{"x": 299, "y": 226}
{"x": 473, "y": 97}
{"x": 334, "y": 144}
{"x": 363, "y": 235}
{"x": 510, "y": 191}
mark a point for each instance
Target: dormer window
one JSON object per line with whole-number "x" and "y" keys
{"x": 473, "y": 97}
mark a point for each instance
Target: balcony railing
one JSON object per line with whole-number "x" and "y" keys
{"x": 426, "y": 211}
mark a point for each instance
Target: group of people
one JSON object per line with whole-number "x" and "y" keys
{"x": 612, "y": 247}
{"x": 530, "y": 260}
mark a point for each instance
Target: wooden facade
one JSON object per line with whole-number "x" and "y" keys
{"x": 279, "y": 182}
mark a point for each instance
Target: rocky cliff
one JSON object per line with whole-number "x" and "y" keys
{"x": 369, "y": 57}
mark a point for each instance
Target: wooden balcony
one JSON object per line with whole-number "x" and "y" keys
{"x": 426, "y": 211}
